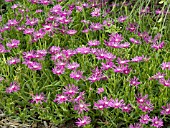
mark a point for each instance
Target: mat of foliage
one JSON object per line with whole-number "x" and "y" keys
{"x": 88, "y": 63}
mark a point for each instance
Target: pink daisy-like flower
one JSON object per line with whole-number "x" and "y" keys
{"x": 77, "y": 75}
{"x": 100, "y": 90}
{"x": 157, "y": 76}
{"x": 71, "y": 32}
{"x": 81, "y": 106}
{"x": 14, "y": 87}
{"x": 38, "y": 98}
{"x": 126, "y": 108}
{"x": 144, "y": 119}
{"x": 156, "y": 122}
{"x": 54, "y": 49}
{"x": 134, "y": 81}
{"x": 122, "y": 19}
{"x": 83, "y": 50}
{"x": 93, "y": 43}
{"x": 136, "y": 125}
{"x": 147, "y": 106}
{"x": 70, "y": 90}
{"x": 83, "y": 121}
{"x": 73, "y": 66}
{"x": 117, "y": 103}
{"x": 13, "y": 44}
{"x": 165, "y": 65}
{"x": 141, "y": 99}
{"x": 58, "y": 70}
{"x": 96, "y": 12}
{"x": 13, "y": 61}
{"x": 165, "y": 82}
{"x": 165, "y": 110}
{"x": 96, "y": 26}
{"x": 60, "y": 98}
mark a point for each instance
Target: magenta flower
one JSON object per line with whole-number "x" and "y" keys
{"x": 126, "y": 108}
{"x": 141, "y": 99}
{"x": 54, "y": 49}
{"x": 165, "y": 110}
{"x": 137, "y": 59}
{"x": 80, "y": 97}
{"x": 146, "y": 107}
{"x": 14, "y": 87}
{"x": 107, "y": 65}
{"x": 38, "y": 34}
{"x": 165, "y": 82}
{"x": 121, "y": 19}
{"x": 48, "y": 27}
{"x": 2, "y": 49}
{"x": 70, "y": 90}
{"x": 28, "y": 31}
{"x": 13, "y": 44}
{"x": 83, "y": 121}
{"x": 13, "y": 61}
{"x": 96, "y": 26}
{"x": 81, "y": 106}
{"x": 96, "y": 12}
{"x": 157, "y": 45}
{"x": 144, "y": 119}
{"x": 77, "y": 75}
{"x": 93, "y": 43}
{"x": 40, "y": 54}
{"x": 134, "y": 81}
{"x": 134, "y": 41}
{"x": 71, "y": 32}
{"x": 58, "y": 70}
{"x": 31, "y": 22}
{"x": 158, "y": 76}
{"x": 83, "y": 50}
{"x": 38, "y": 98}
{"x": 33, "y": 65}
{"x": 156, "y": 122}
{"x": 137, "y": 125}
{"x": 60, "y": 98}
{"x": 165, "y": 65}
{"x": 120, "y": 61}
{"x": 99, "y": 106}
{"x": 12, "y": 22}
{"x": 116, "y": 38}
{"x": 73, "y": 66}
{"x": 132, "y": 27}
{"x": 118, "y": 104}
{"x": 100, "y": 90}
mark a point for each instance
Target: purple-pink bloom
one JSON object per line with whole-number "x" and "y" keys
{"x": 83, "y": 121}
{"x": 96, "y": 12}
{"x": 157, "y": 45}
{"x": 137, "y": 59}
{"x": 121, "y": 19}
{"x": 96, "y": 26}
{"x": 156, "y": 122}
{"x": 165, "y": 110}
{"x": 70, "y": 90}
{"x": 134, "y": 81}
{"x": 71, "y": 32}
{"x": 100, "y": 90}
{"x": 83, "y": 50}
{"x": 58, "y": 70}
{"x": 14, "y": 87}
{"x": 60, "y": 98}
{"x": 126, "y": 108}
{"x": 13, "y": 61}
{"x": 136, "y": 125}
{"x": 157, "y": 76}
{"x": 81, "y": 106}
{"x": 147, "y": 106}
{"x": 73, "y": 66}
{"x": 165, "y": 65}
{"x": 93, "y": 42}
{"x": 144, "y": 119}
{"x": 141, "y": 99}
{"x": 118, "y": 103}
{"x": 77, "y": 75}
{"x": 54, "y": 50}
{"x": 13, "y": 44}
{"x": 38, "y": 98}
{"x": 165, "y": 82}
{"x": 134, "y": 41}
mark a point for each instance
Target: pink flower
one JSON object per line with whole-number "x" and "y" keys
{"x": 12, "y": 22}
{"x": 144, "y": 119}
{"x": 71, "y": 32}
{"x": 77, "y": 75}
{"x": 134, "y": 81}
{"x": 70, "y": 90}
{"x": 121, "y": 19}
{"x": 31, "y": 22}
{"x": 118, "y": 104}
{"x": 165, "y": 110}
{"x": 13, "y": 44}
{"x": 34, "y": 65}
{"x": 141, "y": 99}
{"x": 165, "y": 82}
{"x": 156, "y": 122}
{"x": 157, "y": 76}
{"x": 157, "y": 45}
{"x": 165, "y": 65}
{"x": 60, "y": 98}
{"x": 13, "y": 61}
{"x": 73, "y": 66}
{"x": 107, "y": 65}
{"x": 58, "y": 70}
{"x": 83, "y": 50}
{"x": 54, "y": 49}
{"x": 83, "y": 121}
{"x": 126, "y": 108}
{"x": 14, "y": 87}
{"x": 29, "y": 31}
{"x": 147, "y": 106}
{"x": 100, "y": 90}
{"x": 96, "y": 12}
{"x": 81, "y": 106}
{"x": 137, "y": 125}
{"x": 96, "y": 26}
{"x": 137, "y": 59}
{"x": 93, "y": 43}
{"x": 38, "y": 98}
{"x": 134, "y": 41}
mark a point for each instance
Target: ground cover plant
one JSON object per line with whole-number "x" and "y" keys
{"x": 91, "y": 63}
